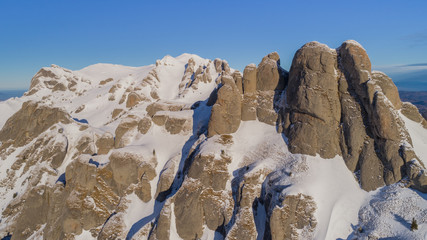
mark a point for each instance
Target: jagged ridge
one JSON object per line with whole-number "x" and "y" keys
{"x": 191, "y": 148}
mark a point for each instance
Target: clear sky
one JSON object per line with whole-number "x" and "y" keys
{"x": 77, "y": 33}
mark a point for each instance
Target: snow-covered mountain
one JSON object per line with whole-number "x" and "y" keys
{"x": 189, "y": 148}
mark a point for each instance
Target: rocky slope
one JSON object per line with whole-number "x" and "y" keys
{"x": 189, "y": 148}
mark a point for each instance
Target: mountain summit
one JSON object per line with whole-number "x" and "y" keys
{"x": 189, "y": 148}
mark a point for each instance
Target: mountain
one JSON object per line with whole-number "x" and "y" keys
{"x": 189, "y": 148}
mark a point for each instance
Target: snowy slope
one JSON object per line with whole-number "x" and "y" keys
{"x": 342, "y": 209}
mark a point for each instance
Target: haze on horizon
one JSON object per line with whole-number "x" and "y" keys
{"x": 135, "y": 33}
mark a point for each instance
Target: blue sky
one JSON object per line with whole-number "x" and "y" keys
{"x": 75, "y": 34}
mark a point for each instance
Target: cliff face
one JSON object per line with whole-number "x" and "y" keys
{"x": 190, "y": 148}
{"x": 337, "y": 106}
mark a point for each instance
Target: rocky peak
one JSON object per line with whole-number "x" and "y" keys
{"x": 337, "y": 106}
{"x": 190, "y": 148}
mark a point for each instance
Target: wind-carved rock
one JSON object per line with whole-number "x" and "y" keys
{"x": 262, "y": 87}
{"x": 249, "y": 103}
{"x": 226, "y": 112}
{"x": 270, "y": 82}
{"x": 313, "y": 101}
{"x": 335, "y": 105}
{"x": 222, "y": 66}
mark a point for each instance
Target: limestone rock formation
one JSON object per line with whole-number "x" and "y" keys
{"x": 222, "y": 65}
{"x": 226, "y": 112}
{"x": 250, "y": 78}
{"x": 295, "y": 214}
{"x": 178, "y": 162}
{"x": 31, "y": 120}
{"x": 313, "y": 100}
{"x": 337, "y": 106}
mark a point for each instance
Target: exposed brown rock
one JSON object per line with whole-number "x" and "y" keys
{"x": 226, "y": 112}
{"x": 249, "y": 107}
{"x": 124, "y": 132}
{"x": 144, "y": 125}
{"x": 47, "y": 147}
{"x": 103, "y": 82}
{"x": 249, "y": 190}
{"x": 129, "y": 168}
{"x": 188, "y": 210}
{"x": 116, "y": 112}
{"x": 388, "y": 88}
{"x": 79, "y": 109}
{"x": 105, "y": 143}
{"x": 313, "y": 100}
{"x": 265, "y": 110}
{"x": 167, "y": 175}
{"x": 221, "y": 65}
{"x": 249, "y": 79}
{"x": 268, "y": 75}
{"x": 133, "y": 99}
{"x": 86, "y": 144}
{"x": 210, "y": 171}
{"x": 31, "y": 120}
{"x": 237, "y": 76}
{"x": 336, "y": 106}
{"x": 411, "y": 112}
{"x": 295, "y": 214}
{"x": 153, "y": 108}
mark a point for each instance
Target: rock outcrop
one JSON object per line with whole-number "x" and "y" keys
{"x": 148, "y": 163}
{"x": 226, "y": 112}
{"x": 337, "y": 106}
{"x": 258, "y": 92}
{"x": 30, "y": 121}
{"x": 295, "y": 215}
{"x": 313, "y": 101}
